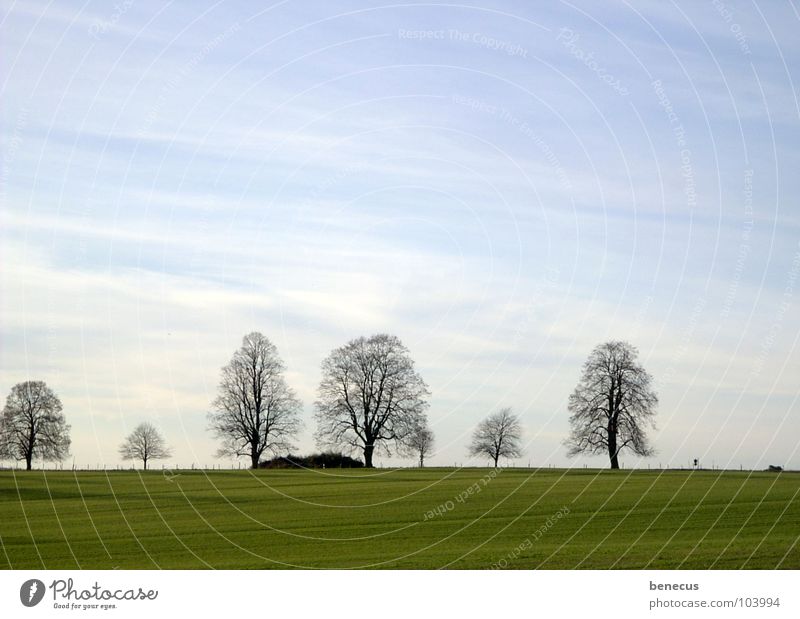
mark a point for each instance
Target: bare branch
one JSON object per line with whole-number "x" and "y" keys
{"x": 255, "y": 411}
{"x": 145, "y": 443}
{"x": 612, "y": 404}
{"x": 370, "y": 397}
{"x": 32, "y": 425}
{"x": 419, "y": 443}
{"x": 498, "y": 436}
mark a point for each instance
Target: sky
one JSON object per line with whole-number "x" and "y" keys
{"x": 502, "y": 185}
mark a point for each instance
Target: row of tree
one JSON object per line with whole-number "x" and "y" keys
{"x": 33, "y": 426}
{"x": 370, "y": 400}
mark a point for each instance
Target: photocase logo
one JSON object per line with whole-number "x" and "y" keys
{"x": 31, "y": 592}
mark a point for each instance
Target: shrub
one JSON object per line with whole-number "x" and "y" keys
{"x": 325, "y": 460}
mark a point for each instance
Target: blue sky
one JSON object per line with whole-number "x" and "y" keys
{"x": 502, "y": 186}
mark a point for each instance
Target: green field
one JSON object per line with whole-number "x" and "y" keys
{"x": 407, "y": 518}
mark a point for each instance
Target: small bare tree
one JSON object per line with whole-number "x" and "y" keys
{"x": 33, "y": 425}
{"x": 255, "y": 410}
{"x": 145, "y": 443}
{"x": 612, "y": 404}
{"x": 420, "y": 443}
{"x": 498, "y": 436}
{"x": 370, "y": 396}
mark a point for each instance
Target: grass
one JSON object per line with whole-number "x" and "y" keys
{"x": 407, "y": 518}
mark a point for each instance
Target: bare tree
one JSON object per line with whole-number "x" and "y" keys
{"x": 370, "y": 396}
{"x": 420, "y": 443}
{"x": 144, "y": 443}
{"x": 255, "y": 410}
{"x": 612, "y": 404}
{"x": 498, "y": 436}
{"x": 33, "y": 425}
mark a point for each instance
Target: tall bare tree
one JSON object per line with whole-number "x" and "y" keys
{"x": 498, "y": 436}
{"x": 33, "y": 425}
{"x": 420, "y": 443}
{"x": 612, "y": 405}
{"x": 145, "y": 443}
{"x": 370, "y": 396}
{"x": 255, "y": 411}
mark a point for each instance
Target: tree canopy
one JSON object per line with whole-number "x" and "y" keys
{"x": 145, "y": 443}
{"x": 370, "y": 397}
{"x": 612, "y": 405}
{"x": 498, "y": 436}
{"x": 32, "y": 425}
{"x": 255, "y": 410}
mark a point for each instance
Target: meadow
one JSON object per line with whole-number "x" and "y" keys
{"x": 406, "y": 518}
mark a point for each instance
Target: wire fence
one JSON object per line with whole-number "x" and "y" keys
{"x": 99, "y": 467}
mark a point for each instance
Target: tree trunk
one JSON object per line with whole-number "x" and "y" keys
{"x": 145, "y": 463}
{"x": 496, "y": 458}
{"x": 368, "y": 450}
{"x": 29, "y": 450}
{"x": 612, "y": 447}
{"x": 254, "y": 461}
